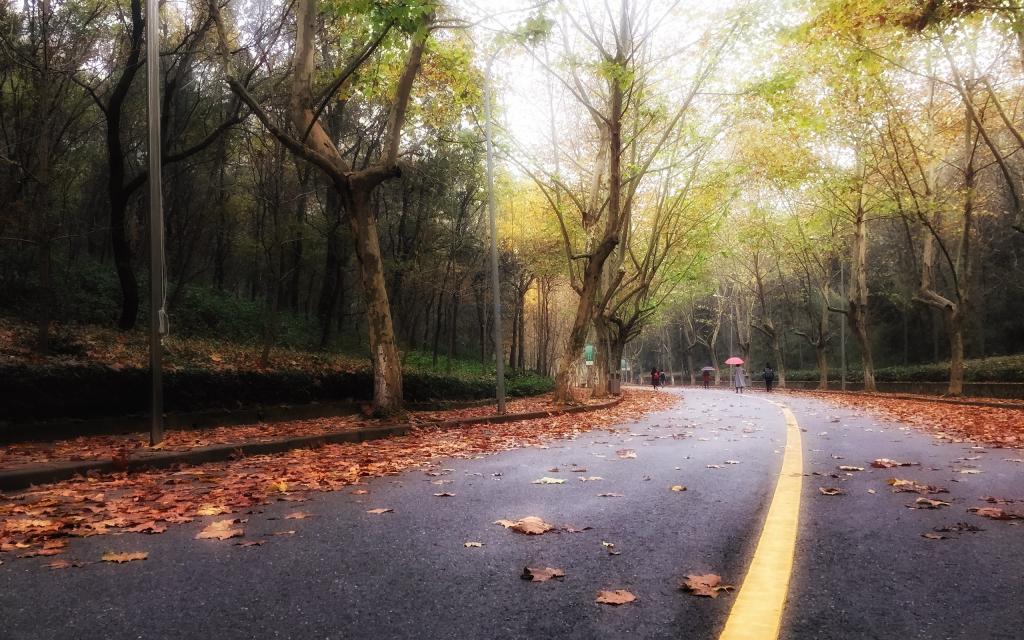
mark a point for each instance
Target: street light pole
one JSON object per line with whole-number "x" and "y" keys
{"x": 842, "y": 326}
{"x": 157, "y": 316}
{"x": 499, "y": 343}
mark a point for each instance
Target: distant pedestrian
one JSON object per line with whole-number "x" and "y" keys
{"x": 661, "y": 378}
{"x": 739, "y": 379}
{"x": 707, "y": 379}
{"x": 655, "y": 378}
{"x": 769, "y": 377}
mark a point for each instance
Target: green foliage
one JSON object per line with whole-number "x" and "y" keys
{"x": 997, "y": 369}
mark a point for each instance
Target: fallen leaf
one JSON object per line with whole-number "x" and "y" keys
{"x": 211, "y": 510}
{"x": 677, "y": 487}
{"x": 541, "y": 574}
{"x": 444, "y": 495}
{"x": 831, "y": 491}
{"x": 846, "y": 467}
{"x": 933, "y": 536}
{"x": 280, "y": 486}
{"x": 708, "y": 585}
{"x": 569, "y": 529}
{"x": 290, "y": 532}
{"x": 995, "y": 513}
{"x": 547, "y": 480}
{"x": 360, "y": 492}
{"x": 380, "y": 511}
{"x": 886, "y": 463}
{"x": 249, "y": 543}
{"x": 928, "y": 503}
{"x": 110, "y": 556}
{"x": 298, "y": 515}
{"x": 616, "y": 597}
{"x": 530, "y": 525}
{"x": 626, "y": 454}
{"x": 732, "y": 462}
{"x": 970, "y": 471}
{"x": 148, "y": 527}
{"x": 609, "y": 495}
{"x": 899, "y": 486}
{"x": 221, "y": 530}
{"x": 472, "y": 545}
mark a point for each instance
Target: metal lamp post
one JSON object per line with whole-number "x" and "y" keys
{"x": 499, "y": 346}
{"x": 157, "y": 316}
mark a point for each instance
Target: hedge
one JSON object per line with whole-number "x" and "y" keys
{"x": 996, "y": 369}
{"x": 36, "y": 393}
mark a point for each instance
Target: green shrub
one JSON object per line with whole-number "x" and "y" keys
{"x": 996, "y": 369}
{"x": 42, "y": 392}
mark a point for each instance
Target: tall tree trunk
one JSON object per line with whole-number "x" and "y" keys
{"x": 387, "y": 363}
{"x": 821, "y": 354}
{"x": 857, "y": 315}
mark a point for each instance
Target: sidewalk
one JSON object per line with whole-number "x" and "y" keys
{"x": 25, "y": 464}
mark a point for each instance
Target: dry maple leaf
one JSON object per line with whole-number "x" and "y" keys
{"x": 379, "y": 511}
{"x": 221, "y": 530}
{"x": 831, "y": 491}
{"x": 444, "y": 495}
{"x": 472, "y": 545}
{"x": 626, "y": 454}
{"x": 130, "y": 556}
{"x": 616, "y": 597}
{"x": 541, "y": 574}
{"x": 298, "y": 515}
{"x": 677, "y": 487}
{"x": 249, "y": 543}
{"x": 290, "y": 532}
{"x": 846, "y": 467}
{"x": 708, "y": 585}
{"x": 360, "y": 492}
{"x": 530, "y": 525}
{"x": 933, "y": 536}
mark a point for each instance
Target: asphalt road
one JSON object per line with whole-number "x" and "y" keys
{"x": 862, "y": 569}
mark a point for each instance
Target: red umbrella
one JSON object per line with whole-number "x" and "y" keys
{"x": 734, "y": 360}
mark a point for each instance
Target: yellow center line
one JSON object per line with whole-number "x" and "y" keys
{"x": 757, "y": 612}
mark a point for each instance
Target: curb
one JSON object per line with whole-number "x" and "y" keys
{"x": 55, "y": 472}
{"x": 901, "y": 396}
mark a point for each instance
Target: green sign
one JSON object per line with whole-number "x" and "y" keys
{"x": 588, "y": 354}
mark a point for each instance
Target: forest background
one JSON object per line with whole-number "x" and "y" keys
{"x": 676, "y": 183}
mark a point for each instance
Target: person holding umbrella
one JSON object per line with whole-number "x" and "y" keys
{"x": 706, "y": 372}
{"x": 739, "y": 377}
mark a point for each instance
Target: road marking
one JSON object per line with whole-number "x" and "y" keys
{"x": 757, "y": 612}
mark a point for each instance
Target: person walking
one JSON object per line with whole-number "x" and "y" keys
{"x": 707, "y": 379}
{"x": 661, "y": 378}
{"x": 739, "y": 379}
{"x": 655, "y": 378}
{"x": 769, "y": 376}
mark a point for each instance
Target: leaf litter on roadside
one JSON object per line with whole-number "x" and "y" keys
{"x": 155, "y": 499}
